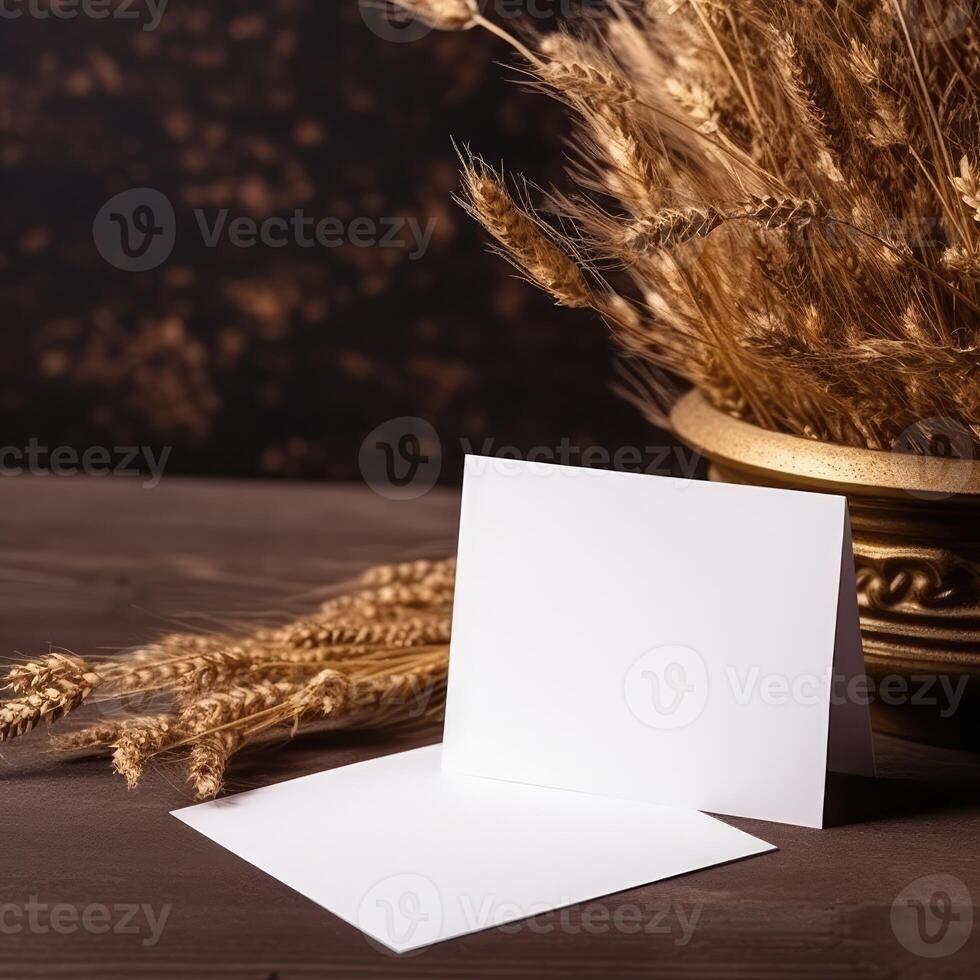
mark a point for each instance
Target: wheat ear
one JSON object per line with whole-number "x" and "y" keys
{"x": 488, "y": 200}
{"x": 136, "y": 746}
{"x": 209, "y": 757}
{"x": 64, "y": 694}
{"x": 35, "y": 675}
{"x": 103, "y": 734}
{"x": 674, "y": 226}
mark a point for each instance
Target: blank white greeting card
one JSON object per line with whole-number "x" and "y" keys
{"x": 412, "y": 855}
{"x": 673, "y": 641}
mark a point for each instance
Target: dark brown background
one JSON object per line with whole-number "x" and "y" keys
{"x": 262, "y": 361}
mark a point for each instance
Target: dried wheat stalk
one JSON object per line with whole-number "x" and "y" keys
{"x": 374, "y": 656}
{"x": 793, "y": 193}
{"x": 523, "y": 238}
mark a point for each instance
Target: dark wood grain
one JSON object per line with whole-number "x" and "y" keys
{"x": 90, "y": 564}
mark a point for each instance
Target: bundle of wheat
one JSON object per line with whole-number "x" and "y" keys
{"x": 785, "y": 195}
{"x": 374, "y": 657}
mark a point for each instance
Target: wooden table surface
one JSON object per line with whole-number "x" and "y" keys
{"x": 88, "y": 564}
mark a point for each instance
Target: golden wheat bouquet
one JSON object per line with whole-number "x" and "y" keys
{"x": 776, "y": 201}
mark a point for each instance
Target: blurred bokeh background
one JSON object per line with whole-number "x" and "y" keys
{"x": 264, "y": 361}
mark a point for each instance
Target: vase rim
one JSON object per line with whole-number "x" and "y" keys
{"x": 823, "y": 465}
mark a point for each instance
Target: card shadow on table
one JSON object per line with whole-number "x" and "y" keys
{"x": 861, "y": 799}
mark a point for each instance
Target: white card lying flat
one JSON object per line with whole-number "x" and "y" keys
{"x": 412, "y": 855}
{"x": 664, "y": 640}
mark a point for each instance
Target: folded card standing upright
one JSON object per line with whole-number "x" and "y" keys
{"x": 678, "y": 642}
